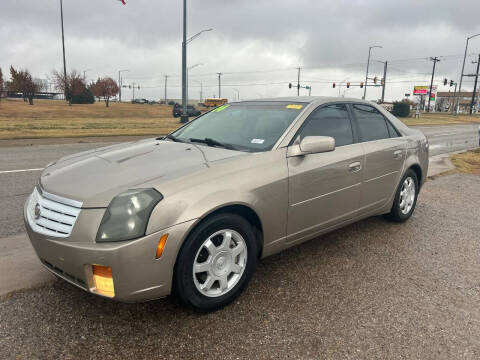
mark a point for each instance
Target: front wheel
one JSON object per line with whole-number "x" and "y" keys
{"x": 216, "y": 262}
{"x": 405, "y": 198}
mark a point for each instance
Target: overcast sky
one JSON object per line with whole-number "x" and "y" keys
{"x": 257, "y": 44}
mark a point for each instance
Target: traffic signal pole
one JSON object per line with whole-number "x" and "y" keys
{"x": 298, "y": 81}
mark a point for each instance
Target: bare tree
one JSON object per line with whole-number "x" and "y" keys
{"x": 105, "y": 88}
{"x": 75, "y": 84}
{"x": 21, "y": 81}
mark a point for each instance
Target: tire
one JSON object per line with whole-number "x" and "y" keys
{"x": 404, "y": 204}
{"x": 227, "y": 270}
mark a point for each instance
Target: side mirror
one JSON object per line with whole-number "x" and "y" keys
{"x": 313, "y": 145}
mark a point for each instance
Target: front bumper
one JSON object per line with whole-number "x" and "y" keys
{"x": 137, "y": 275}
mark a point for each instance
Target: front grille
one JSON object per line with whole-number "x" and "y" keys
{"x": 52, "y": 215}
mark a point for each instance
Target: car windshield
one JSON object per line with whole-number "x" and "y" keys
{"x": 247, "y": 126}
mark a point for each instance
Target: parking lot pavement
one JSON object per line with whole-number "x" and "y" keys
{"x": 371, "y": 290}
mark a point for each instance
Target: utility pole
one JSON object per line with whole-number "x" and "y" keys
{"x": 219, "y": 85}
{"x": 384, "y": 81}
{"x": 298, "y": 81}
{"x": 435, "y": 60}
{"x": 63, "y": 47}
{"x": 472, "y": 104}
{"x": 166, "y": 77}
{"x": 184, "y": 116}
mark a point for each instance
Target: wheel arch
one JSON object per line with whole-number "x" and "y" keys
{"x": 235, "y": 208}
{"x": 418, "y": 171}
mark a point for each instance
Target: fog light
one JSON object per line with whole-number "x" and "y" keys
{"x": 103, "y": 280}
{"x": 161, "y": 246}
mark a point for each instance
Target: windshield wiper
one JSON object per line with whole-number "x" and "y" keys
{"x": 174, "y": 138}
{"x": 212, "y": 142}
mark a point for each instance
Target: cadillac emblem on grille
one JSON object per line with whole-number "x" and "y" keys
{"x": 37, "y": 211}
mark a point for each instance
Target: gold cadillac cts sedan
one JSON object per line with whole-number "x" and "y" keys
{"x": 191, "y": 213}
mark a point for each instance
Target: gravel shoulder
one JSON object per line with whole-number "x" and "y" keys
{"x": 371, "y": 290}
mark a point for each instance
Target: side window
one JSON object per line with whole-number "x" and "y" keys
{"x": 371, "y": 123}
{"x": 331, "y": 120}
{"x": 393, "y": 132}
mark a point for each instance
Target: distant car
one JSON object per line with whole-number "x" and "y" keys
{"x": 139, "y": 101}
{"x": 191, "y": 110}
{"x": 193, "y": 212}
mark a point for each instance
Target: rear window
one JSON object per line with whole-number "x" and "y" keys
{"x": 371, "y": 123}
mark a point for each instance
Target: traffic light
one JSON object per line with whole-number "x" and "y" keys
{"x": 375, "y": 80}
{"x": 289, "y": 85}
{"x": 333, "y": 85}
{"x": 451, "y": 83}
{"x": 361, "y": 85}
{"x": 445, "y": 81}
{"x": 348, "y": 85}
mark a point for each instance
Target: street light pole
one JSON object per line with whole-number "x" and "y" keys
{"x": 219, "y": 85}
{"x": 166, "y": 77}
{"x": 475, "y": 86}
{"x": 63, "y": 47}
{"x": 188, "y": 69}
{"x": 120, "y": 84}
{"x": 461, "y": 75}
{"x": 368, "y": 65}
{"x": 184, "y": 116}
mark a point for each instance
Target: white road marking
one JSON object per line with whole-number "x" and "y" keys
{"x": 23, "y": 170}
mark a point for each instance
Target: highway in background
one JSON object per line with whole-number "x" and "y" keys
{"x": 21, "y": 165}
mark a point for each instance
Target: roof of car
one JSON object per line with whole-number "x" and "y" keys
{"x": 309, "y": 99}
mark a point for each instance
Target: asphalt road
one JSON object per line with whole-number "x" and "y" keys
{"x": 373, "y": 290}
{"x": 16, "y": 186}
{"x": 450, "y": 138}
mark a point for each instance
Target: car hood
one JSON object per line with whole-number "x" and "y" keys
{"x": 96, "y": 176}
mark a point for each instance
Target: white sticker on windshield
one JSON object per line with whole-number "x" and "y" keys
{"x": 257, "y": 141}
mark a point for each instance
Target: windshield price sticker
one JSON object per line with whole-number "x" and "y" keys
{"x": 257, "y": 141}
{"x": 294, "y": 106}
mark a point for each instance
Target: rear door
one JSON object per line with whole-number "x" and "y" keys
{"x": 324, "y": 188}
{"x": 384, "y": 150}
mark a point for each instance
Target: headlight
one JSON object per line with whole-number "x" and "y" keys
{"x": 127, "y": 215}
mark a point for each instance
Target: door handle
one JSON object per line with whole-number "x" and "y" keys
{"x": 397, "y": 154}
{"x": 354, "y": 167}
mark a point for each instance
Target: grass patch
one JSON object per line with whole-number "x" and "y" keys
{"x": 55, "y": 118}
{"x": 440, "y": 119}
{"x": 467, "y": 162}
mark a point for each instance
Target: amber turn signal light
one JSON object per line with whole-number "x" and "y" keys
{"x": 161, "y": 246}
{"x": 103, "y": 280}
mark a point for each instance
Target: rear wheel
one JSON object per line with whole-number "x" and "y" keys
{"x": 216, "y": 262}
{"x": 405, "y": 198}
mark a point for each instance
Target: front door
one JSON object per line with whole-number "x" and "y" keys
{"x": 324, "y": 188}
